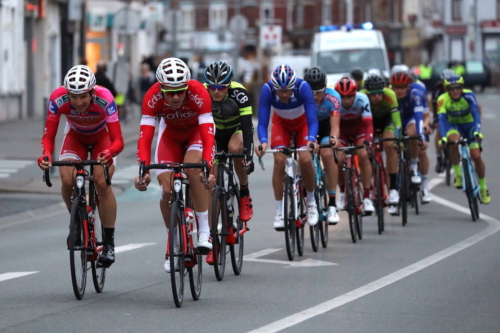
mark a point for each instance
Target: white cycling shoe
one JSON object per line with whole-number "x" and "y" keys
{"x": 312, "y": 214}
{"x": 167, "y": 265}
{"x": 332, "y": 216}
{"x": 426, "y": 196}
{"x": 393, "y": 197}
{"x": 279, "y": 223}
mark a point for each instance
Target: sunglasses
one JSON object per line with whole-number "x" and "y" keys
{"x": 316, "y": 92}
{"x": 218, "y": 86}
{"x": 452, "y": 88}
{"x": 174, "y": 92}
{"x": 399, "y": 87}
{"x": 376, "y": 92}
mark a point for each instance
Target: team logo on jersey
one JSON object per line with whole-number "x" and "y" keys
{"x": 154, "y": 99}
{"x": 61, "y": 100}
{"x": 52, "y": 107}
{"x": 111, "y": 109}
{"x": 180, "y": 115}
{"x": 196, "y": 99}
{"x": 101, "y": 102}
{"x": 240, "y": 96}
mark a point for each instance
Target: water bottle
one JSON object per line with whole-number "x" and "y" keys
{"x": 191, "y": 225}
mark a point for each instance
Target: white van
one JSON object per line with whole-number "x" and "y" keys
{"x": 337, "y": 50}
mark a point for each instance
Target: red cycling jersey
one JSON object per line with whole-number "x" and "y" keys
{"x": 193, "y": 118}
{"x": 84, "y": 126}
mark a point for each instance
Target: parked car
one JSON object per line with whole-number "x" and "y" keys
{"x": 476, "y": 74}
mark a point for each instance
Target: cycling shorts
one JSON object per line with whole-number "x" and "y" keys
{"x": 324, "y": 131}
{"x": 283, "y": 129}
{"x": 355, "y": 132}
{"x": 465, "y": 131}
{"x": 383, "y": 124}
{"x": 77, "y": 146}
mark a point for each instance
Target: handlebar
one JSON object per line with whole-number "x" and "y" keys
{"x": 76, "y": 164}
{"x": 347, "y": 149}
{"x": 143, "y": 168}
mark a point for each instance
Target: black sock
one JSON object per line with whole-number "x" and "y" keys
{"x": 244, "y": 191}
{"x": 393, "y": 178}
{"x": 109, "y": 236}
{"x": 332, "y": 201}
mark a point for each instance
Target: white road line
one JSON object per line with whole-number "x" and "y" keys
{"x": 129, "y": 247}
{"x": 2, "y": 170}
{"x": 4, "y": 175}
{"x": 294, "y": 319}
{"x": 14, "y": 275}
{"x": 295, "y": 264}
{"x": 17, "y": 163}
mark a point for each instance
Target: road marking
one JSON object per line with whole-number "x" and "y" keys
{"x": 8, "y": 167}
{"x": 126, "y": 175}
{"x": 294, "y": 319}
{"x": 489, "y": 116}
{"x": 130, "y": 247}
{"x": 14, "y": 275}
{"x": 304, "y": 263}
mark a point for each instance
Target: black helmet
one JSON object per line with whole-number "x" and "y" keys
{"x": 218, "y": 72}
{"x": 357, "y": 73}
{"x": 316, "y": 78}
{"x": 374, "y": 82}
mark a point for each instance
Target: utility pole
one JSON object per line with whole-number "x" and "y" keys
{"x": 237, "y": 37}
{"x": 349, "y": 10}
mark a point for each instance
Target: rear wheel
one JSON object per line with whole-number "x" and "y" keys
{"x": 379, "y": 205}
{"x": 448, "y": 170}
{"x": 302, "y": 216}
{"x": 77, "y": 247}
{"x": 321, "y": 197}
{"x": 195, "y": 277}
{"x": 176, "y": 254}
{"x": 219, "y": 232}
{"x": 469, "y": 191}
{"x": 359, "y": 195}
{"x": 237, "y": 225}
{"x": 98, "y": 273}
{"x": 403, "y": 190}
{"x": 289, "y": 218}
{"x": 351, "y": 206}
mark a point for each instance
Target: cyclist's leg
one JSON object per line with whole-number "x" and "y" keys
{"x": 236, "y": 146}
{"x": 411, "y": 130}
{"x": 308, "y": 174}
{"x": 475, "y": 154}
{"x": 280, "y": 137}
{"x": 453, "y": 150}
{"x": 391, "y": 165}
{"x": 341, "y": 174}
{"x": 366, "y": 173}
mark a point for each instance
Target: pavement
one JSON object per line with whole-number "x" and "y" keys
{"x": 21, "y": 145}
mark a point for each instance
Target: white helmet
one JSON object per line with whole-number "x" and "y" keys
{"x": 173, "y": 72}
{"x": 80, "y": 79}
{"x": 400, "y": 68}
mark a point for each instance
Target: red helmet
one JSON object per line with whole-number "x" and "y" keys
{"x": 346, "y": 86}
{"x": 401, "y": 78}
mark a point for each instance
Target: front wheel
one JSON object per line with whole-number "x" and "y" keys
{"x": 195, "y": 277}
{"x": 237, "y": 248}
{"x": 301, "y": 220}
{"x": 77, "y": 246}
{"x": 351, "y": 206}
{"x": 469, "y": 192}
{"x": 219, "y": 232}
{"x": 403, "y": 190}
{"x": 379, "y": 197}
{"x": 176, "y": 253}
{"x": 289, "y": 214}
{"x": 98, "y": 271}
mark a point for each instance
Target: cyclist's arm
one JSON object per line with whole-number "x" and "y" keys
{"x": 334, "y": 115}
{"x": 245, "y": 108}
{"x": 444, "y": 124}
{"x": 367, "y": 118}
{"x": 418, "y": 109}
{"x": 264, "y": 113}
{"x": 471, "y": 99}
{"x": 207, "y": 133}
{"x": 116, "y": 137}
{"x": 51, "y": 125}
{"x": 310, "y": 110}
{"x": 391, "y": 98}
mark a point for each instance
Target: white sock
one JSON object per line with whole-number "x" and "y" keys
{"x": 279, "y": 206}
{"x": 414, "y": 164}
{"x": 425, "y": 182}
{"x": 203, "y": 222}
{"x": 310, "y": 197}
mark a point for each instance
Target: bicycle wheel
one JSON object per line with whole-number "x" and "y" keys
{"x": 300, "y": 223}
{"x": 379, "y": 205}
{"x": 469, "y": 191}
{"x": 236, "y": 249}
{"x": 77, "y": 246}
{"x": 289, "y": 218}
{"x": 403, "y": 190}
{"x": 322, "y": 201}
{"x": 98, "y": 271}
{"x": 219, "y": 232}
{"x": 195, "y": 277}
{"x": 351, "y": 205}
{"x": 414, "y": 197}
{"x": 359, "y": 196}
{"x": 177, "y": 276}
{"x": 448, "y": 170}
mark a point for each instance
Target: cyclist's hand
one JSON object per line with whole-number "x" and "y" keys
{"x": 211, "y": 182}
{"x": 478, "y": 136}
{"x": 260, "y": 152}
{"x": 314, "y": 146}
{"x": 44, "y": 165}
{"x": 427, "y": 130}
{"x": 334, "y": 142}
{"x": 145, "y": 182}
{"x": 249, "y": 167}
{"x": 443, "y": 141}
{"x": 105, "y": 157}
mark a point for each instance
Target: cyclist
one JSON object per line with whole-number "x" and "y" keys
{"x": 386, "y": 120}
{"x": 232, "y": 112}
{"x": 357, "y": 74}
{"x": 186, "y": 135}
{"x": 92, "y": 126}
{"x": 459, "y": 116}
{"x": 294, "y": 114}
{"x": 355, "y": 126}
{"x": 412, "y": 102}
{"x": 328, "y": 113}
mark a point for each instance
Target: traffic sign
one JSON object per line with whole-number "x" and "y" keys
{"x": 270, "y": 35}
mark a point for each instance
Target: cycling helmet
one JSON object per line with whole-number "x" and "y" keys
{"x": 283, "y": 77}
{"x": 374, "y": 82}
{"x": 401, "y": 78}
{"x": 399, "y": 68}
{"x": 454, "y": 79}
{"x": 375, "y": 71}
{"x": 346, "y": 86}
{"x": 218, "y": 72}
{"x": 173, "y": 72}
{"x": 316, "y": 78}
{"x": 447, "y": 72}
{"x": 80, "y": 79}
{"x": 357, "y": 73}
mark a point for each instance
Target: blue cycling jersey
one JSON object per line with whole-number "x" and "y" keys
{"x": 412, "y": 106}
{"x": 421, "y": 86}
{"x": 329, "y": 106}
{"x": 302, "y": 101}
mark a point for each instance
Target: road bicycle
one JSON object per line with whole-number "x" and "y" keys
{"x": 86, "y": 234}
{"x": 320, "y": 230}
{"x": 353, "y": 189}
{"x": 188, "y": 256}
{"x": 470, "y": 180}
{"x": 227, "y": 227}
{"x": 294, "y": 204}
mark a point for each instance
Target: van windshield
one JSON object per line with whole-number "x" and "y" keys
{"x": 343, "y": 61}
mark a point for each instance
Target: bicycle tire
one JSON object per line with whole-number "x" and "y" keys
{"x": 322, "y": 203}
{"x": 236, "y": 249}
{"x": 219, "y": 232}
{"x": 98, "y": 271}
{"x": 379, "y": 207}
{"x": 195, "y": 277}
{"x": 351, "y": 206}
{"x": 469, "y": 192}
{"x": 177, "y": 276}
{"x": 448, "y": 171}
{"x": 403, "y": 189}
{"x": 359, "y": 213}
{"x": 414, "y": 193}
{"x": 289, "y": 218}
{"x": 302, "y": 216}
{"x": 78, "y": 258}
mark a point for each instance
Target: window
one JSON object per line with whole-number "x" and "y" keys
{"x": 186, "y": 17}
{"x": 267, "y": 13}
{"x": 498, "y": 9}
{"x": 217, "y": 16}
{"x": 456, "y": 10}
{"x": 299, "y": 19}
{"x": 326, "y": 12}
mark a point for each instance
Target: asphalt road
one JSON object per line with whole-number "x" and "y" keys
{"x": 440, "y": 273}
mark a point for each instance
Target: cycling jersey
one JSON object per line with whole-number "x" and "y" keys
{"x": 461, "y": 112}
{"x": 412, "y": 107}
{"x": 356, "y": 122}
{"x": 178, "y": 126}
{"x": 301, "y": 105}
{"x": 85, "y": 126}
{"x": 386, "y": 113}
{"x": 233, "y": 114}
{"x": 328, "y": 107}
{"x": 438, "y": 90}
{"x": 421, "y": 86}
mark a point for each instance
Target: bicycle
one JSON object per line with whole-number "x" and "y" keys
{"x": 227, "y": 227}
{"x": 320, "y": 230}
{"x": 86, "y": 233}
{"x": 353, "y": 188}
{"x": 469, "y": 178}
{"x": 294, "y": 205}
{"x": 447, "y": 166}
{"x": 188, "y": 256}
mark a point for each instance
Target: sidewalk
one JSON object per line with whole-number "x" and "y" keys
{"x": 20, "y": 140}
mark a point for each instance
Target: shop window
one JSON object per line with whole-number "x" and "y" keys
{"x": 456, "y": 10}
